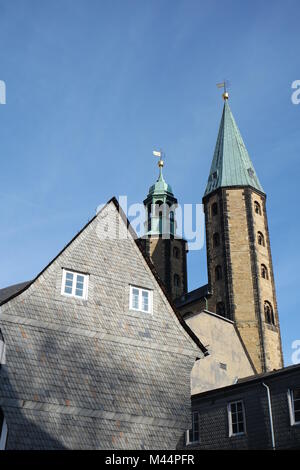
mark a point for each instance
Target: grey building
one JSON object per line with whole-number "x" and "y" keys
{"x": 259, "y": 412}
{"x": 97, "y": 357}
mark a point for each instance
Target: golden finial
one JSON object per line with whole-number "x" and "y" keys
{"x": 159, "y": 154}
{"x": 224, "y": 85}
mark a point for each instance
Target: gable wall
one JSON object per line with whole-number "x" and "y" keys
{"x": 94, "y": 368}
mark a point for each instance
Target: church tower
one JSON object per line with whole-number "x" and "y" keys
{"x": 240, "y": 271}
{"x": 166, "y": 250}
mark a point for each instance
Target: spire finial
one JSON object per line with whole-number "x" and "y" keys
{"x": 225, "y": 86}
{"x": 160, "y": 154}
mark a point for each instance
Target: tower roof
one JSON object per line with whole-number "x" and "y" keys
{"x": 231, "y": 165}
{"x": 160, "y": 190}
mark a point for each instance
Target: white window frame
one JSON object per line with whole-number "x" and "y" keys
{"x": 292, "y": 408}
{"x": 3, "y": 434}
{"x": 75, "y": 274}
{"x": 187, "y": 435}
{"x": 231, "y": 433}
{"x": 150, "y": 299}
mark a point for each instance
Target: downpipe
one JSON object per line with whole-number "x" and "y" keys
{"x": 271, "y": 416}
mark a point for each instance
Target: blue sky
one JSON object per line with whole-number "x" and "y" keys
{"x": 93, "y": 86}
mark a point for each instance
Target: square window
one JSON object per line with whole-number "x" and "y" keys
{"x": 74, "y": 284}
{"x": 140, "y": 299}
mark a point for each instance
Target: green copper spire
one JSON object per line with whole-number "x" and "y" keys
{"x": 231, "y": 165}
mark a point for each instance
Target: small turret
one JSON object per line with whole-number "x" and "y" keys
{"x": 166, "y": 250}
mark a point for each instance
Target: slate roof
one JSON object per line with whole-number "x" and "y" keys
{"x": 192, "y": 296}
{"x": 13, "y": 290}
{"x": 231, "y": 165}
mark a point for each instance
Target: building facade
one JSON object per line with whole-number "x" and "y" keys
{"x": 261, "y": 412}
{"x": 96, "y": 356}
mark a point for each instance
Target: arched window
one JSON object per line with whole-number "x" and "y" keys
{"x": 216, "y": 239}
{"x": 264, "y": 271}
{"x": 220, "y": 309}
{"x": 176, "y": 252}
{"x": 176, "y": 280}
{"x": 214, "y": 208}
{"x": 269, "y": 314}
{"x": 3, "y": 430}
{"x": 260, "y": 239}
{"x": 218, "y": 273}
{"x": 257, "y": 208}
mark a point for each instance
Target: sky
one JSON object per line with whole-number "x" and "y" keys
{"x": 93, "y": 86}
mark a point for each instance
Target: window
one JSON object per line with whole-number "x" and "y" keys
{"x": 294, "y": 406}
{"x": 261, "y": 239}
{"x": 192, "y": 435}
{"x": 172, "y": 222}
{"x": 216, "y": 239}
{"x": 236, "y": 418}
{"x": 2, "y": 349}
{"x": 149, "y": 217}
{"x": 251, "y": 172}
{"x": 218, "y": 273}
{"x": 176, "y": 280}
{"x": 214, "y": 209}
{"x": 220, "y": 309}
{"x": 74, "y": 284}
{"x": 176, "y": 252}
{"x": 264, "y": 272}
{"x": 3, "y": 430}
{"x": 140, "y": 299}
{"x": 257, "y": 208}
{"x": 269, "y": 314}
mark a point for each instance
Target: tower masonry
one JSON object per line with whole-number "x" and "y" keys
{"x": 240, "y": 270}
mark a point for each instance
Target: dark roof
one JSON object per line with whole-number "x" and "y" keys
{"x": 13, "y": 290}
{"x": 192, "y": 296}
{"x": 17, "y": 289}
{"x": 249, "y": 380}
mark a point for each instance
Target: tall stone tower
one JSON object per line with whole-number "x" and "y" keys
{"x": 166, "y": 250}
{"x": 240, "y": 271}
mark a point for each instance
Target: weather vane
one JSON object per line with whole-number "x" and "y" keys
{"x": 160, "y": 154}
{"x": 225, "y": 85}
